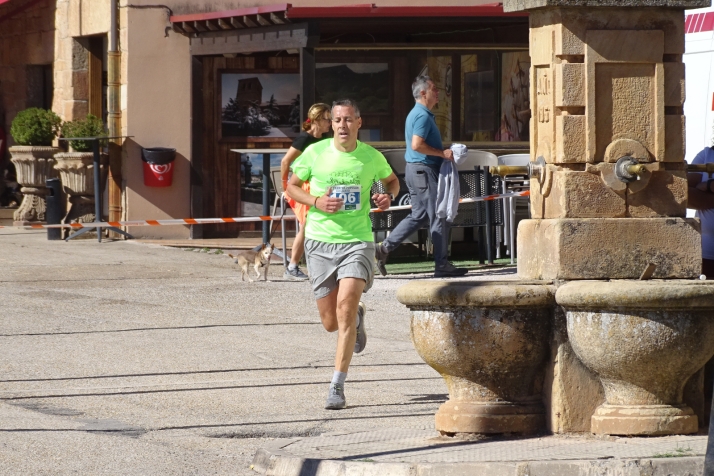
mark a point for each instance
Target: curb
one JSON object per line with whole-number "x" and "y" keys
{"x": 273, "y": 460}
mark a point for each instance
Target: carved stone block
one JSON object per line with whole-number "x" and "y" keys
{"x": 566, "y": 197}
{"x": 609, "y": 248}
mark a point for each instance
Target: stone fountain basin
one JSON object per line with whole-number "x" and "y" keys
{"x": 489, "y": 341}
{"x": 644, "y": 340}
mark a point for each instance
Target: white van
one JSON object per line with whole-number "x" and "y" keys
{"x": 699, "y": 74}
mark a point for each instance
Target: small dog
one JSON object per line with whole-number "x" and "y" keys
{"x": 258, "y": 259}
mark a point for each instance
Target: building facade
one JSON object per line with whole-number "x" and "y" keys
{"x": 208, "y": 77}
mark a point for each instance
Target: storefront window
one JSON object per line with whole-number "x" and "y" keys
{"x": 483, "y": 93}
{"x": 366, "y": 83}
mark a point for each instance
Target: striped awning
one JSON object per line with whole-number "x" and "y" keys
{"x": 699, "y": 22}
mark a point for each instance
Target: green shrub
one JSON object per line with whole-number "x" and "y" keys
{"x": 35, "y": 126}
{"x": 91, "y": 126}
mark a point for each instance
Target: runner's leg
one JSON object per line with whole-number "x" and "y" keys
{"x": 327, "y": 307}
{"x": 298, "y": 246}
{"x": 338, "y": 312}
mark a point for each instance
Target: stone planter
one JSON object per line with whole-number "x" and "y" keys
{"x": 34, "y": 165}
{"x": 76, "y": 170}
{"x": 489, "y": 341}
{"x": 644, "y": 340}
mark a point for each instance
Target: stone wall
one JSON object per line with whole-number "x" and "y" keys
{"x": 26, "y": 40}
{"x": 75, "y": 21}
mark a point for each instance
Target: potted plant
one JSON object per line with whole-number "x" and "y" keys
{"x": 76, "y": 167}
{"x": 33, "y": 131}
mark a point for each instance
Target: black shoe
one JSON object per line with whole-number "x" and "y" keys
{"x": 449, "y": 271}
{"x": 381, "y": 255}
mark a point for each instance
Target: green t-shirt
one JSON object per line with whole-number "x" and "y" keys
{"x": 351, "y": 175}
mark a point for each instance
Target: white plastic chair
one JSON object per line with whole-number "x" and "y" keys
{"x": 477, "y": 158}
{"x": 395, "y": 158}
{"x": 510, "y": 204}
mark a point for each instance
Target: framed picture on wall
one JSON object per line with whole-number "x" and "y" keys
{"x": 260, "y": 106}
{"x": 366, "y": 83}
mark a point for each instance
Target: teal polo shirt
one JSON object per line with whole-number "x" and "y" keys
{"x": 420, "y": 121}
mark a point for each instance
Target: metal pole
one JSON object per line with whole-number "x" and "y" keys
{"x": 266, "y": 196}
{"x": 97, "y": 187}
{"x": 114, "y": 115}
{"x": 479, "y": 193}
{"x": 709, "y": 456}
{"x": 55, "y": 208}
{"x": 282, "y": 229}
{"x": 489, "y": 226}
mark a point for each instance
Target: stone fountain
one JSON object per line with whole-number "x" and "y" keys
{"x": 608, "y": 328}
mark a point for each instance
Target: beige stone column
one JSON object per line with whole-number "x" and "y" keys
{"x": 608, "y": 82}
{"x": 610, "y": 202}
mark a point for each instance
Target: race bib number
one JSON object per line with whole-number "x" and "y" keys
{"x": 351, "y": 196}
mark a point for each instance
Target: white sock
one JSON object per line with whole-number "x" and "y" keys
{"x": 339, "y": 377}
{"x": 292, "y": 266}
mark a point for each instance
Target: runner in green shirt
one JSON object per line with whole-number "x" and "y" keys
{"x": 339, "y": 244}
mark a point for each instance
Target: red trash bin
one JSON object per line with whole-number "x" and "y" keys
{"x": 158, "y": 166}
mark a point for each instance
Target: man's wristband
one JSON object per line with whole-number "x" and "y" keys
{"x": 391, "y": 196}
{"x": 315, "y": 204}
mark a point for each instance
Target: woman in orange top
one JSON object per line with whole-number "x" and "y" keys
{"x": 313, "y": 130}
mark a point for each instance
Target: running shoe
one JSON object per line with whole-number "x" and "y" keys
{"x": 361, "y": 341}
{"x": 449, "y": 271}
{"x": 381, "y": 254}
{"x": 336, "y": 397}
{"x": 295, "y": 274}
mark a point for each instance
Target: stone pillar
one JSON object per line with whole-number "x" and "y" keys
{"x": 608, "y": 126}
{"x": 608, "y": 82}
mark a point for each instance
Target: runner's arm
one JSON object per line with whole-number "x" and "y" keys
{"x": 286, "y": 162}
{"x": 325, "y": 203}
{"x": 383, "y": 200}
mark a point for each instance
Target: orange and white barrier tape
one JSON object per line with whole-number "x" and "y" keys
{"x": 211, "y": 221}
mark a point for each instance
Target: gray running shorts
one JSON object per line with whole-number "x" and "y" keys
{"x": 327, "y": 263}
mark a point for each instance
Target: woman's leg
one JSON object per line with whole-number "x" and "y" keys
{"x": 298, "y": 246}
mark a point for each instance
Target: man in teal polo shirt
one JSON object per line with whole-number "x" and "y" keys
{"x": 339, "y": 245}
{"x": 424, "y": 156}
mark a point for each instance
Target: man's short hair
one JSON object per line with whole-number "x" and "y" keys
{"x": 347, "y": 103}
{"x": 420, "y": 84}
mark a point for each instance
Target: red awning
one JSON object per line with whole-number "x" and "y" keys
{"x": 373, "y": 11}
{"x": 3, "y": 1}
{"x": 283, "y": 13}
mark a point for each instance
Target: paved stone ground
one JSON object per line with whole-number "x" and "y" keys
{"x": 123, "y": 358}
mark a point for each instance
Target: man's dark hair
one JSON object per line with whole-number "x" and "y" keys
{"x": 347, "y": 103}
